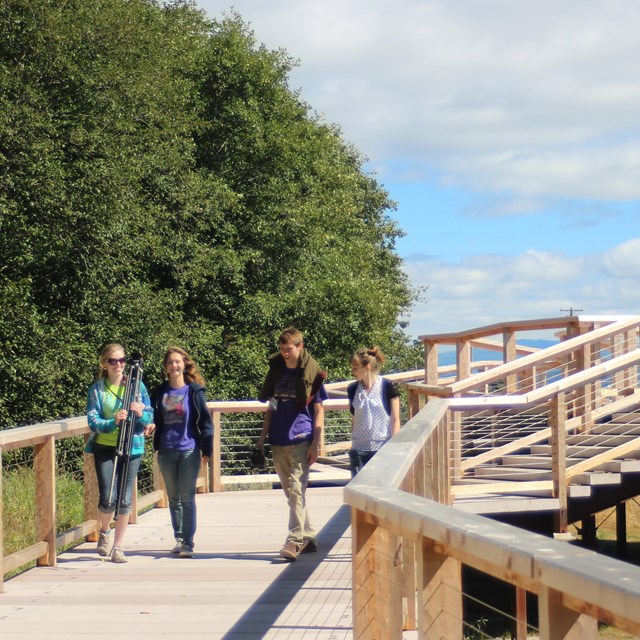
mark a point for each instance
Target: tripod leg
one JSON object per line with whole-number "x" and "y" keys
{"x": 113, "y": 478}
{"x": 122, "y": 484}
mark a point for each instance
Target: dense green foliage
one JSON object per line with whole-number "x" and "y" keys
{"x": 160, "y": 183}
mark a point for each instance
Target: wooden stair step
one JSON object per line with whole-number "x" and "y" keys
{"x": 622, "y": 466}
{"x": 511, "y": 473}
{"x": 615, "y": 428}
{"x": 593, "y": 479}
{"x": 596, "y": 439}
{"x": 627, "y": 417}
{"x": 579, "y": 452}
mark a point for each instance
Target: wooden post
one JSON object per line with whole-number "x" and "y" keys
{"x": 445, "y": 466}
{"x": 420, "y": 473}
{"x": 521, "y": 613}
{"x": 630, "y": 373}
{"x": 413, "y": 403}
{"x": 557, "y": 419}
{"x": 454, "y": 448}
{"x": 463, "y": 359}
{"x": 133, "y": 516}
{"x": 439, "y": 594}
{"x": 509, "y": 354}
{"x": 589, "y": 532}
{"x": 45, "y": 482}
{"x": 90, "y": 494}
{"x": 377, "y": 607}
{"x": 158, "y": 483}
{"x": 409, "y": 578}
{"x": 1, "y": 529}
{"x": 584, "y": 394}
{"x": 556, "y": 622}
{"x": 430, "y": 362}
{"x": 216, "y": 464}
{"x": 621, "y": 529}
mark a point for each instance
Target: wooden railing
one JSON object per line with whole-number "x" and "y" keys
{"x": 44, "y": 439}
{"x": 410, "y": 545}
{"x": 597, "y": 330}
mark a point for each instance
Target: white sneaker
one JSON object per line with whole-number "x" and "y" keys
{"x": 117, "y": 555}
{"x": 178, "y": 546}
{"x": 104, "y": 542}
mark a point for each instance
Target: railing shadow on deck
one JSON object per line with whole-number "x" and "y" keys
{"x": 265, "y": 611}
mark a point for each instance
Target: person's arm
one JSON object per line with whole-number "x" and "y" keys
{"x": 205, "y": 424}
{"x": 318, "y": 426}
{"x": 96, "y": 422}
{"x": 265, "y": 429}
{"x": 395, "y": 415}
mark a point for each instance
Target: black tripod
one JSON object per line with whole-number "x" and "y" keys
{"x": 122, "y": 456}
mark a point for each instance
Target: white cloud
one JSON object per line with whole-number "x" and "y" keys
{"x": 524, "y": 107}
{"x": 482, "y": 290}
{"x": 623, "y": 261}
{"x": 537, "y": 98}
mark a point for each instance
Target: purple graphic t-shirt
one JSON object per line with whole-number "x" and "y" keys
{"x": 290, "y": 423}
{"x": 179, "y": 433}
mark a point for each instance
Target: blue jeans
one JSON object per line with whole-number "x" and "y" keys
{"x": 180, "y": 473}
{"x": 103, "y": 458}
{"x": 358, "y": 458}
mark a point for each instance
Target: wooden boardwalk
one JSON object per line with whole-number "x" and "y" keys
{"x": 236, "y": 588}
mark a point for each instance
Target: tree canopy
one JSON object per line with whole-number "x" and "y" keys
{"x": 161, "y": 183}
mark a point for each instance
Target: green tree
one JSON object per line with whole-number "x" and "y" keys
{"x": 160, "y": 183}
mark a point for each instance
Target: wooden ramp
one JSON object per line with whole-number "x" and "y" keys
{"x": 236, "y": 588}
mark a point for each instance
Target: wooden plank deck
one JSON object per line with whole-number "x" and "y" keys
{"x": 236, "y": 588}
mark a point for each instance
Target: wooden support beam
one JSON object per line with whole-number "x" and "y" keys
{"x": 133, "y": 515}
{"x": 509, "y": 354}
{"x": 44, "y": 465}
{"x": 521, "y": 614}
{"x": 439, "y": 594}
{"x": 463, "y": 359}
{"x": 90, "y": 493}
{"x": 557, "y": 419}
{"x": 1, "y": 529}
{"x": 589, "y": 532}
{"x": 216, "y": 464}
{"x": 377, "y": 580}
{"x": 556, "y": 622}
{"x": 621, "y": 529}
{"x": 431, "y": 362}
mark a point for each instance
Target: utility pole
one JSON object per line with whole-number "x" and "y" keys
{"x": 571, "y": 310}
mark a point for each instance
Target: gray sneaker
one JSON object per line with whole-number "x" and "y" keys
{"x": 117, "y": 555}
{"x": 186, "y": 551}
{"x": 178, "y": 546}
{"x": 104, "y": 542}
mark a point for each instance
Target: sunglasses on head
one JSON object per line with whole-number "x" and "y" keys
{"x": 113, "y": 361}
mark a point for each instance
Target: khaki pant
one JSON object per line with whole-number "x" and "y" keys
{"x": 292, "y": 468}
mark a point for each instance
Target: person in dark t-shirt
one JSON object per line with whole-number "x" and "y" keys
{"x": 293, "y": 424}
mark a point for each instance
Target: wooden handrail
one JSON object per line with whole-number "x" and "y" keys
{"x": 544, "y": 434}
{"x": 575, "y": 587}
{"x": 527, "y": 362}
{"x": 493, "y": 329}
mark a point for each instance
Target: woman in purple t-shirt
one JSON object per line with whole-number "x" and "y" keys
{"x": 183, "y": 439}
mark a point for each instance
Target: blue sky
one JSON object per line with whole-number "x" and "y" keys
{"x": 508, "y": 132}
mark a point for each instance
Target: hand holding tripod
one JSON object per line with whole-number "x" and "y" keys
{"x": 122, "y": 455}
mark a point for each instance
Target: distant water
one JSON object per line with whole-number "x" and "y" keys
{"x": 447, "y": 354}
